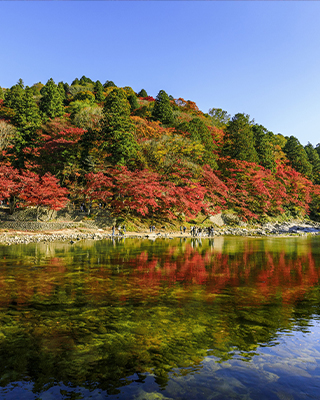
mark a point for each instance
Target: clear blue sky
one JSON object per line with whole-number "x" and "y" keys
{"x": 261, "y": 58}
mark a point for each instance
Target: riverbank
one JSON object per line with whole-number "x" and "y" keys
{"x": 73, "y": 234}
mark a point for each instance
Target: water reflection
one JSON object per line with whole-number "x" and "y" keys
{"x": 160, "y": 317}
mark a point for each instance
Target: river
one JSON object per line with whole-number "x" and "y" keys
{"x": 223, "y": 318}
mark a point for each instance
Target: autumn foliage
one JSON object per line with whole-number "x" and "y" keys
{"x": 149, "y": 157}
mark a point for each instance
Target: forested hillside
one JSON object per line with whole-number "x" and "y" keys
{"x": 134, "y": 154}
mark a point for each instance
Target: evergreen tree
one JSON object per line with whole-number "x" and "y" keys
{"x": 264, "y": 147}
{"x": 21, "y": 83}
{"x": 142, "y": 93}
{"x": 314, "y": 160}
{"x": 162, "y": 110}
{"x": 133, "y": 102}
{"x": 13, "y": 97}
{"x": 117, "y": 130}
{"x": 27, "y": 118}
{"x": 1, "y": 94}
{"x": 297, "y": 156}
{"x": 239, "y": 140}
{"x": 98, "y": 89}
{"x": 199, "y": 132}
{"x": 84, "y": 81}
{"x": 62, "y": 91}
{"x": 109, "y": 84}
{"x": 51, "y": 104}
{"x": 75, "y": 82}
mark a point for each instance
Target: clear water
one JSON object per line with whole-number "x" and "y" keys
{"x": 229, "y": 318}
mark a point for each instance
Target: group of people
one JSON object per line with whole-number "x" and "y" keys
{"x": 121, "y": 230}
{"x": 198, "y": 232}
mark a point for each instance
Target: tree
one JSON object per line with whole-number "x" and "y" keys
{"x": 117, "y": 130}
{"x": 297, "y": 156}
{"x": 109, "y": 84}
{"x": 162, "y": 110}
{"x": 199, "y": 132}
{"x": 7, "y": 134}
{"x": 239, "y": 140}
{"x": 1, "y": 94}
{"x": 51, "y": 103}
{"x": 314, "y": 160}
{"x": 132, "y": 98}
{"x": 44, "y": 191}
{"x": 219, "y": 117}
{"x": 142, "y": 93}
{"x": 264, "y": 147}
{"x": 98, "y": 89}
{"x": 27, "y": 118}
{"x": 13, "y": 97}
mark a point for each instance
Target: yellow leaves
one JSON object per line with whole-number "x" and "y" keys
{"x": 148, "y": 129}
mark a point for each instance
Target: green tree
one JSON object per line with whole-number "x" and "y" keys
{"x": 264, "y": 147}
{"x": 297, "y": 156}
{"x": 1, "y": 94}
{"x": 27, "y": 118}
{"x": 219, "y": 117}
{"x": 142, "y": 93}
{"x": 314, "y": 160}
{"x": 133, "y": 101}
{"x": 85, "y": 95}
{"x": 62, "y": 91}
{"x": 21, "y": 83}
{"x": 84, "y": 81}
{"x": 109, "y": 84}
{"x": 98, "y": 89}
{"x": 117, "y": 130}
{"x": 239, "y": 140}
{"x": 199, "y": 132}
{"x": 162, "y": 110}
{"x": 13, "y": 97}
{"x": 51, "y": 102}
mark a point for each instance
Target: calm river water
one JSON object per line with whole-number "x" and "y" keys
{"x": 229, "y": 318}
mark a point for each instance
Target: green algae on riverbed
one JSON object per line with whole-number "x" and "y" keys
{"x": 222, "y": 318}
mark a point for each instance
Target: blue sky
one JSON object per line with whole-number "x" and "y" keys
{"x": 261, "y": 58}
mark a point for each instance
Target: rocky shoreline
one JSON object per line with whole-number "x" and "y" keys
{"x": 73, "y": 235}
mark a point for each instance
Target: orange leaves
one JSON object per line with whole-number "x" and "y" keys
{"x": 148, "y": 129}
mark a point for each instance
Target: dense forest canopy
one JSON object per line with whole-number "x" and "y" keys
{"x": 145, "y": 156}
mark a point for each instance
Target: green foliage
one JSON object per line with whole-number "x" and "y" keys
{"x": 264, "y": 147}
{"x": 199, "y": 132}
{"x": 297, "y": 156}
{"x": 162, "y": 110}
{"x": 98, "y": 89}
{"x": 51, "y": 102}
{"x": 133, "y": 101}
{"x": 239, "y": 140}
{"x": 20, "y": 83}
{"x": 117, "y": 130}
{"x": 219, "y": 117}
{"x": 86, "y": 116}
{"x": 84, "y": 81}
{"x": 108, "y": 84}
{"x": 27, "y": 118}
{"x": 142, "y": 93}
{"x": 13, "y": 97}
{"x": 86, "y": 96}
{"x": 1, "y": 93}
{"x": 314, "y": 160}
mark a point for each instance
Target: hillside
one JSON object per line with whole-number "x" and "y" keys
{"x": 100, "y": 146}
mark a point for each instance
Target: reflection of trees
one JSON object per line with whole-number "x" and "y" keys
{"x": 98, "y": 313}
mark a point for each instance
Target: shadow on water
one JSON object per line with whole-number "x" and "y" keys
{"x": 140, "y": 319}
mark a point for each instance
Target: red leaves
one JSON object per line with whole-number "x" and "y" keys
{"x": 145, "y": 192}
{"x": 31, "y": 188}
{"x": 44, "y": 191}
